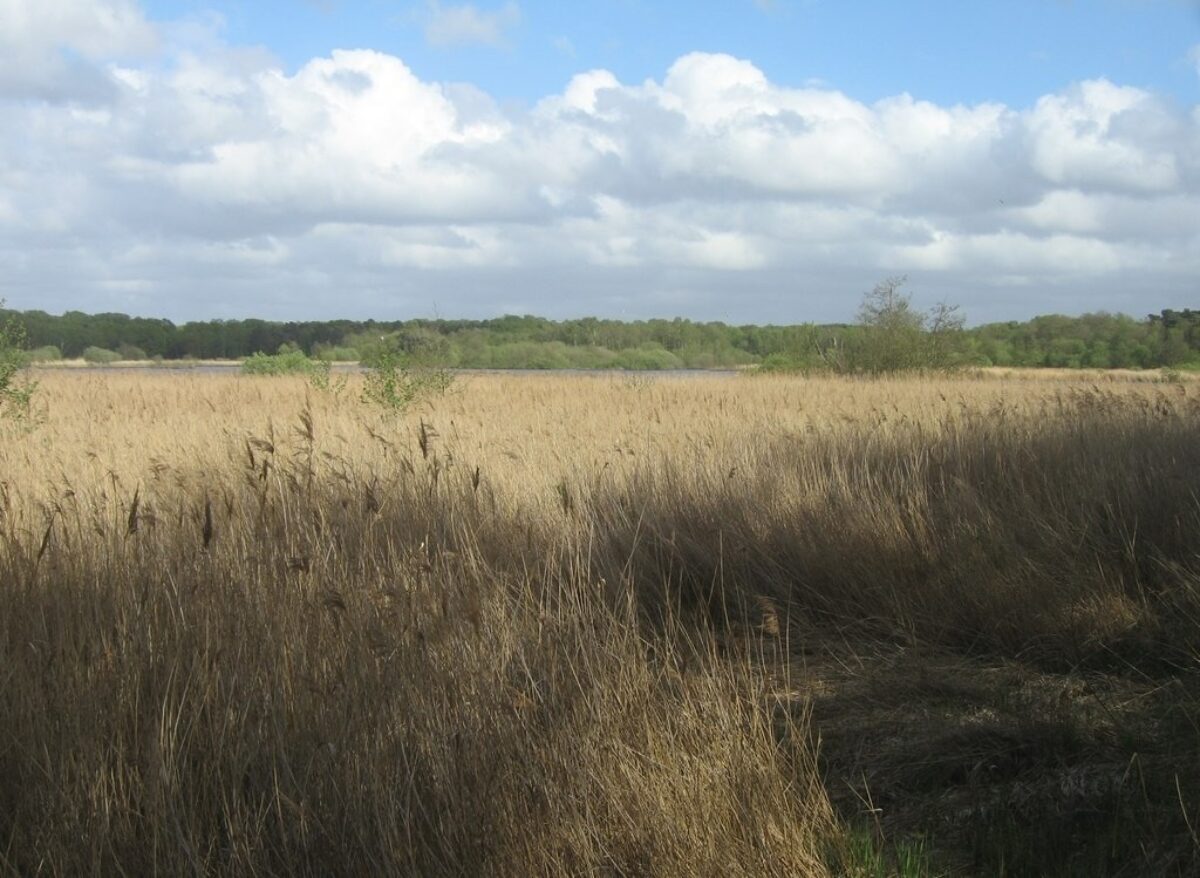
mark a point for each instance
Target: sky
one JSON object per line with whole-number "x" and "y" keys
{"x": 747, "y": 161}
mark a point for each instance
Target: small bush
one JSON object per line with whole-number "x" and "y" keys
{"x": 291, "y": 362}
{"x": 591, "y": 357}
{"x": 131, "y": 352}
{"x": 530, "y": 355}
{"x": 394, "y": 385}
{"x": 337, "y": 353}
{"x": 16, "y": 392}
{"x": 648, "y": 357}
{"x": 100, "y": 356}
{"x": 45, "y": 354}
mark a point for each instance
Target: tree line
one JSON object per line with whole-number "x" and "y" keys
{"x": 1170, "y": 338}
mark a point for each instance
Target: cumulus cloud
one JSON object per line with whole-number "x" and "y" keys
{"x": 51, "y": 49}
{"x": 1104, "y": 136}
{"x": 466, "y": 24}
{"x": 218, "y": 183}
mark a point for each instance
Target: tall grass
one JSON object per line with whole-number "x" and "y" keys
{"x": 575, "y": 625}
{"x": 1065, "y": 533}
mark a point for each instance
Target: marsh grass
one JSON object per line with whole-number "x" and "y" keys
{"x": 567, "y": 625}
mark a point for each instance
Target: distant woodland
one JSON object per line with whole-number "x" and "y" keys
{"x": 1170, "y": 338}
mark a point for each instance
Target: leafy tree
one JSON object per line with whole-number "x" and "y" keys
{"x": 895, "y": 337}
{"x": 1175, "y": 348}
{"x": 943, "y": 342}
{"x": 1099, "y": 355}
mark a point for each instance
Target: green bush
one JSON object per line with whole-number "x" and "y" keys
{"x": 781, "y": 362}
{"x": 16, "y": 391}
{"x": 530, "y": 355}
{"x": 290, "y": 362}
{"x": 892, "y": 336}
{"x": 100, "y": 356}
{"x": 337, "y": 353}
{"x": 131, "y": 352}
{"x": 648, "y": 357}
{"x": 591, "y": 357}
{"x": 721, "y": 358}
{"x": 44, "y": 354}
{"x": 394, "y": 384}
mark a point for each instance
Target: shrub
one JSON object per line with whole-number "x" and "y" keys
{"x": 895, "y": 337}
{"x": 530, "y": 355}
{"x": 337, "y": 353}
{"x": 100, "y": 356}
{"x": 779, "y": 362}
{"x": 16, "y": 392}
{"x": 131, "y": 352}
{"x": 891, "y": 336}
{"x": 648, "y": 357}
{"x": 591, "y": 357}
{"x": 393, "y": 384}
{"x": 290, "y": 362}
{"x": 45, "y": 354}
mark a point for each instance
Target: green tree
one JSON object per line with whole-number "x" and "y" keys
{"x": 894, "y": 336}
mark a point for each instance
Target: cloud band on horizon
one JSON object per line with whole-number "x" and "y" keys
{"x": 199, "y": 180}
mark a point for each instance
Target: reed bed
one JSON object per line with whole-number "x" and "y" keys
{"x": 601, "y": 625}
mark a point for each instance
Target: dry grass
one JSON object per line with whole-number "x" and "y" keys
{"x": 1101, "y": 376}
{"x": 577, "y": 624}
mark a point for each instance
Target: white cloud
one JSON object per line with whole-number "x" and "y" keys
{"x": 53, "y": 49}
{"x": 1007, "y": 252}
{"x": 220, "y": 184}
{"x": 94, "y": 28}
{"x": 1101, "y": 134}
{"x": 1066, "y": 210}
{"x": 581, "y": 92}
{"x": 466, "y": 24}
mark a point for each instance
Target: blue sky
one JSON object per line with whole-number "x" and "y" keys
{"x": 744, "y": 161}
{"x": 946, "y": 51}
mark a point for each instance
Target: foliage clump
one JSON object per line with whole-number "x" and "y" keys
{"x": 397, "y": 379}
{"x": 895, "y": 337}
{"x": 336, "y": 353}
{"x": 890, "y": 336}
{"x": 43, "y": 354}
{"x": 16, "y": 389}
{"x": 98, "y": 356}
{"x": 287, "y": 361}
